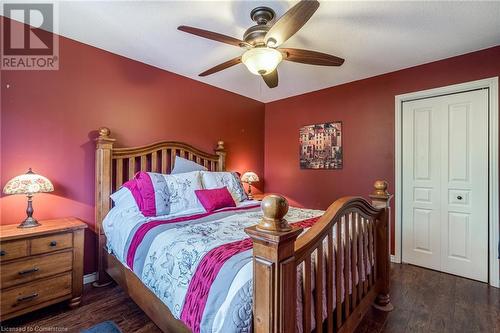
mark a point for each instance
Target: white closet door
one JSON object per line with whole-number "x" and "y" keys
{"x": 464, "y": 180}
{"x": 421, "y": 184}
{"x": 445, "y": 183}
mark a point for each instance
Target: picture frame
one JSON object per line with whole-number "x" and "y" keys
{"x": 320, "y": 146}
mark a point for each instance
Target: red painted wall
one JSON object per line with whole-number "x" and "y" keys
{"x": 48, "y": 122}
{"x": 366, "y": 108}
{"x": 49, "y": 118}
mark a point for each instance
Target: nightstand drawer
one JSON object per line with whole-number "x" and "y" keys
{"x": 34, "y": 293}
{"x": 51, "y": 243}
{"x": 14, "y": 249}
{"x": 33, "y": 268}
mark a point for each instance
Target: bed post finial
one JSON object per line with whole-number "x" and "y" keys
{"x": 221, "y": 152}
{"x": 220, "y": 146}
{"x": 103, "y": 174}
{"x": 274, "y": 207}
{"x": 104, "y": 132}
{"x": 381, "y": 199}
{"x": 380, "y": 189}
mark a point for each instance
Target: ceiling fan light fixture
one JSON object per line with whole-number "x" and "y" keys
{"x": 262, "y": 60}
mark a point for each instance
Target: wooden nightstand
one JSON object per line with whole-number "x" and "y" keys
{"x": 40, "y": 266}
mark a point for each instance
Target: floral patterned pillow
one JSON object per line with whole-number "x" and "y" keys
{"x": 231, "y": 180}
{"x": 157, "y": 194}
{"x": 150, "y": 193}
{"x": 181, "y": 188}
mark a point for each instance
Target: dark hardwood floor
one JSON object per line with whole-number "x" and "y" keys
{"x": 424, "y": 301}
{"x": 434, "y": 302}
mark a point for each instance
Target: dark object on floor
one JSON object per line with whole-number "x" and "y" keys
{"x": 104, "y": 327}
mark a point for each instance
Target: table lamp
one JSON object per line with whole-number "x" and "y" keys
{"x": 29, "y": 184}
{"x": 250, "y": 177}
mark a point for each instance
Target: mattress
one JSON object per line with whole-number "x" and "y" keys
{"x": 200, "y": 264}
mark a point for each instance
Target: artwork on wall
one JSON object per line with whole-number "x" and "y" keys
{"x": 321, "y": 146}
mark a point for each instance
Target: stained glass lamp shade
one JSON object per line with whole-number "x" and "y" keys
{"x": 29, "y": 184}
{"x": 249, "y": 177}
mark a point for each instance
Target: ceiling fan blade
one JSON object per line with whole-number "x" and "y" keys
{"x": 310, "y": 57}
{"x": 222, "y": 66}
{"x": 271, "y": 79}
{"x": 212, "y": 35}
{"x": 291, "y": 22}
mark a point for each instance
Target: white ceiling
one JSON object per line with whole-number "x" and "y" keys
{"x": 373, "y": 37}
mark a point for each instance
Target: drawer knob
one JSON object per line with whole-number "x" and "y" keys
{"x": 2, "y": 253}
{"x": 459, "y": 197}
{"x": 28, "y": 271}
{"x": 27, "y": 297}
{"x": 53, "y": 243}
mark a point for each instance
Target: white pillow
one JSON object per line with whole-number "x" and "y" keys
{"x": 182, "y": 165}
{"x": 123, "y": 198}
{"x": 181, "y": 188}
{"x": 231, "y": 180}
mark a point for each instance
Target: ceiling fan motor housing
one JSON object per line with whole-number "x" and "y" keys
{"x": 262, "y": 16}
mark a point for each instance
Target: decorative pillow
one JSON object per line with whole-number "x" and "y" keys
{"x": 150, "y": 192}
{"x": 182, "y": 165}
{"x": 181, "y": 188}
{"x": 123, "y": 198}
{"x": 216, "y": 198}
{"x": 157, "y": 194}
{"x": 231, "y": 180}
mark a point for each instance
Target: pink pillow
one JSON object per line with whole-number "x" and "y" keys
{"x": 143, "y": 191}
{"x": 216, "y": 198}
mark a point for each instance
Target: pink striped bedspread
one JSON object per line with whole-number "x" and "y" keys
{"x": 200, "y": 266}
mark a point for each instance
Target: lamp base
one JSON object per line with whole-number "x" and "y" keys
{"x": 30, "y": 222}
{"x": 250, "y": 195}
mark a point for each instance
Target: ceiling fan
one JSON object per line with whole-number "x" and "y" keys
{"x": 262, "y": 41}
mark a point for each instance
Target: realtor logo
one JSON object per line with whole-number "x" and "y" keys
{"x": 29, "y": 37}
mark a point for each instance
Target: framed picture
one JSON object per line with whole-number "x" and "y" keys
{"x": 321, "y": 146}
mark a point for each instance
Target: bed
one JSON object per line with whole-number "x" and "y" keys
{"x": 240, "y": 269}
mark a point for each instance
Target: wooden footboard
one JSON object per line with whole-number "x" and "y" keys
{"x": 346, "y": 253}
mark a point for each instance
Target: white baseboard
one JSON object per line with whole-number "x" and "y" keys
{"x": 394, "y": 259}
{"x": 89, "y": 278}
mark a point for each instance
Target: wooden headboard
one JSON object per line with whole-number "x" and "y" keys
{"x": 114, "y": 166}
